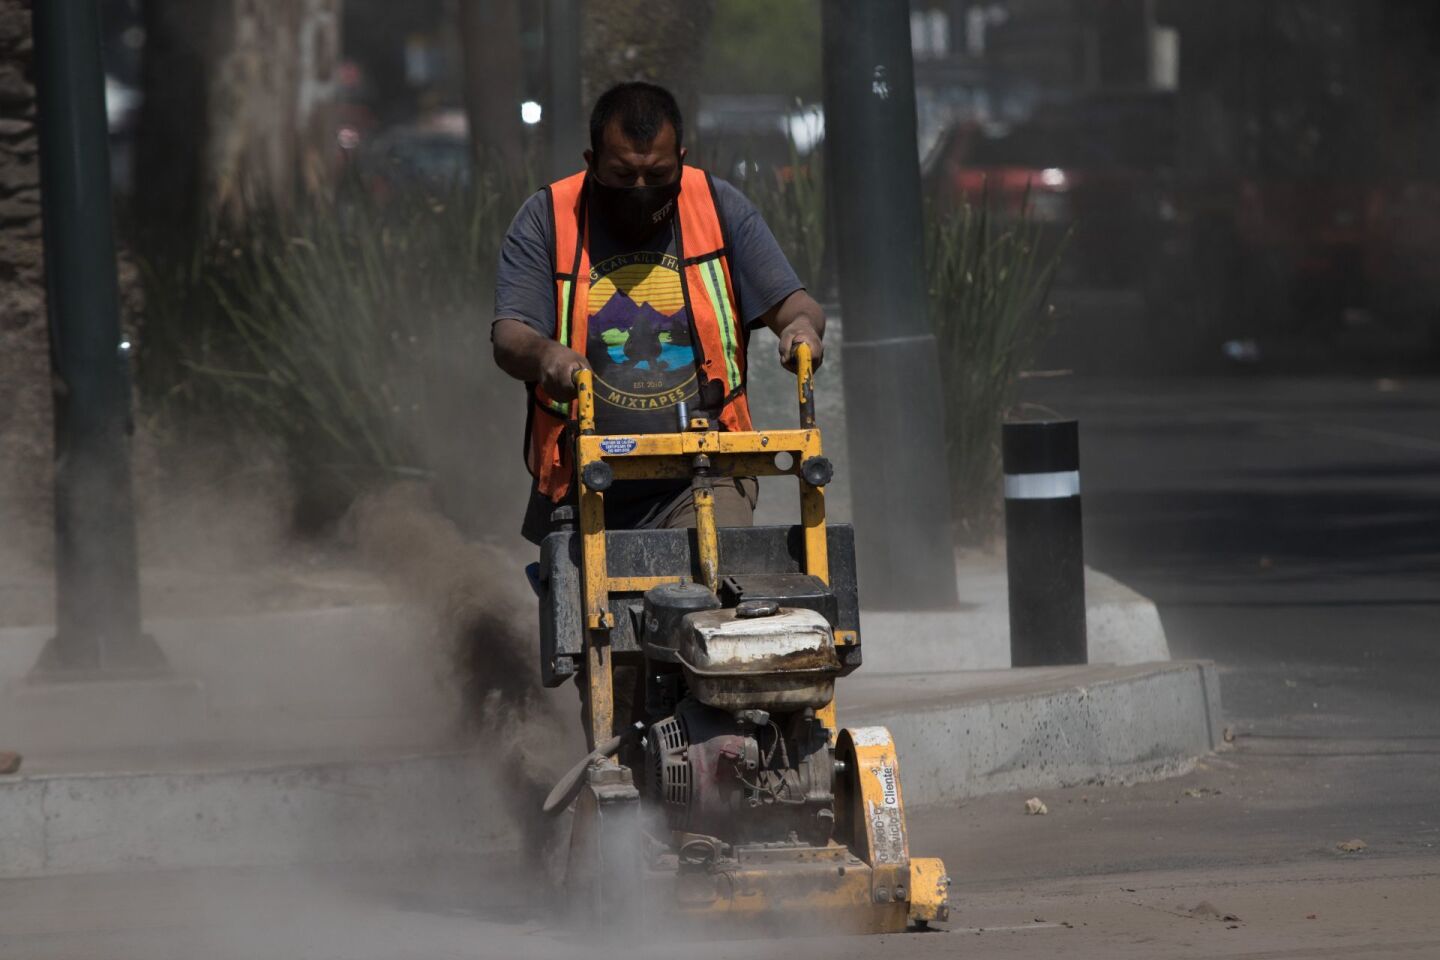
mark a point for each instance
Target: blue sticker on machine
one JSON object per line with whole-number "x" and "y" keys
{"x": 618, "y": 445}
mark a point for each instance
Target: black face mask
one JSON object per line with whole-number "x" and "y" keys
{"x": 634, "y": 214}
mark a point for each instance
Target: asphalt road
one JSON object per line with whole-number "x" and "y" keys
{"x": 1290, "y": 530}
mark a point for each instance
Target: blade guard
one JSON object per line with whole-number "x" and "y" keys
{"x": 871, "y": 809}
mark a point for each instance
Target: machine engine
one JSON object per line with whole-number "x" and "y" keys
{"x": 745, "y": 777}
{"x": 738, "y": 755}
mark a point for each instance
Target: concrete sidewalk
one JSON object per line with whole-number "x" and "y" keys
{"x": 1122, "y": 627}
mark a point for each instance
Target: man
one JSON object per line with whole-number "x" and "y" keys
{"x": 651, "y": 274}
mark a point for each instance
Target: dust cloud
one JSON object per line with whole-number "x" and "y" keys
{"x": 484, "y": 616}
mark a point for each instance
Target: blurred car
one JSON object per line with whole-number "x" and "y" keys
{"x": 1100, "y": 168}
{"x": 1330, "y": 269}
{"x": 1103, "y": 165}
{"x": 742, "y": 135}
{"x": 1317, "y": 271}
{"x": 433, "y": 153}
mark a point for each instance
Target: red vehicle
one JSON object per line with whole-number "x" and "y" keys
{"x": 1102, "y": 167}
{"x": 1287, "y": 270}
{"x": 1102, "y": 164}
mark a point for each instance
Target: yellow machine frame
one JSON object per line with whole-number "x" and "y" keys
{"x": 672, "y": 455}
{"x": 884, "y": 888}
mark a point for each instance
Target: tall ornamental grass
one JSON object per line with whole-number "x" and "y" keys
{"x": 989, "y": 283}
{"x": 791, "y": 198}
{"x": 351, "y": 334}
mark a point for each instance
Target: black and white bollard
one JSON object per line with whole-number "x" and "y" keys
{"x": 1045, "y": 557}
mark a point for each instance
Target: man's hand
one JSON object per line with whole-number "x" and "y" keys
{"x": 557, "y": 370}
{"x": 798, "y": 332}
{"x": 798, "y": 319}
{"x": 529, "y": 356}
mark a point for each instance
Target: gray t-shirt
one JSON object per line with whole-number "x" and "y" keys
{"x": 639, "y": 327}
{"x": 639, "y": 342}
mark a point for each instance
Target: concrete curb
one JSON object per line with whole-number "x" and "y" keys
{"x": 958, "y": 735}
{"x": 962, "y": 735}
{"x": 389, "y": 810}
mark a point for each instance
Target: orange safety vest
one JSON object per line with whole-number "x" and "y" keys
{"x": 718, "y": 333}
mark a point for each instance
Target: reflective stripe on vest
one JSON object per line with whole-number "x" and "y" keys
{"x": 719, "y": 292}
{"x": 562, "y": 334}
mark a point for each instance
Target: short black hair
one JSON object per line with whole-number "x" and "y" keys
{"x": 642, "y": 108}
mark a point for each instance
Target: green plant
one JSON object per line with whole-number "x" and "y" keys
{"x": 989, "y": 282}
{"x": 348, "y": 333}
{"x": 791, "y": 199}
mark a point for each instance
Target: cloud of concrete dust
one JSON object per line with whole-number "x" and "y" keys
{"x": 485, "y": 616}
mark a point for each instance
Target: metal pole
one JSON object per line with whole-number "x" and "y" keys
{"x": 97, "y": 590}
{"x": 565, "y": 135}
{"x": 893, "y": 400}
{"x": 1044, "y": 547}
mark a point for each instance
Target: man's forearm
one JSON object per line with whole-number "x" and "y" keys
{"x": 519, "y": 351}
{"x": 535, "y": 358}
{"x": 798, "y": 306}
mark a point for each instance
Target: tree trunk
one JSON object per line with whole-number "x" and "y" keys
{"x": 490, "y": 40}
{"x": 662, "y": 41}
{"x": 237, "y": 109}
{"x": 26, "y": 423}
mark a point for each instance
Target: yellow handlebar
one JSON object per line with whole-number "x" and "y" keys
{"x": 584, "y": 380}
{"x": 805, "y": 385}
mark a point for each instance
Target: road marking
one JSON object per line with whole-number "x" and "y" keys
{"x": 1404, "y": 441}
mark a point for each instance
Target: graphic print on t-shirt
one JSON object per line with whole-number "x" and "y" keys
{"x": 639, "y": 342}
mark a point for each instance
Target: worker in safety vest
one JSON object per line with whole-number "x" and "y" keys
{"x": 652, "y": 274}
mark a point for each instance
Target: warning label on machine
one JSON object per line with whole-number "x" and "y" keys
{"x": 887, "y": 823}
